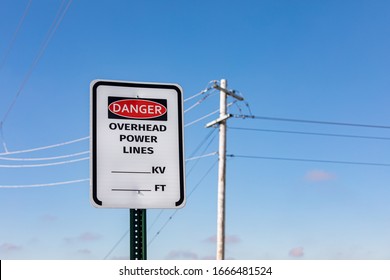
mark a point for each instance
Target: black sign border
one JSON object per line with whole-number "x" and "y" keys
{"x": 94, "y": 131}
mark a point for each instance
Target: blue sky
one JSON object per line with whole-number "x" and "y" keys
{"x": 313, "y": 60}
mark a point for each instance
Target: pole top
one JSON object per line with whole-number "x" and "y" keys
{"x": 232, "y": 93}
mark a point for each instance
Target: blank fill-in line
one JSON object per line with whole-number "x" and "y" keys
{"x": 130, "y": 190}
{"x": 132, "y": 172}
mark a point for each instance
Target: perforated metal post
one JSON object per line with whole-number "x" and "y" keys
{"x": 138, "y": 234}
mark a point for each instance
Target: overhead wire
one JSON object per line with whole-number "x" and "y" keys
{"x": 15, "y": 35}
{"x": 202, "y": 156}
{"x": 46, "y": 158}
{"x": 53, "y": 28}
{"x": 45, "y": 147}
{"x": 309, "y": 121}
{"x": 2, "y": 138}
{"x": 310, "y": 133}
{"x": 201, "y": 180}
{"x": 43, "y": 164}
{"x": 163, "y": 226}
{"x": 308, "y": 160}
{"x": 197, "y": 160}
{"x": 201, "y": 118}
{"x": 203, "y": 91}
{"x": 246, "y": 103}
{"x": 116, "y": 244}
{"x": 206, "y": 116}
{"x": 155, "y": 220}
{"x": 200, "y": 101}
{"x": 202, "y": 142}
{"x": 44, "y": 185}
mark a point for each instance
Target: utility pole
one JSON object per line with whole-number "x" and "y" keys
{"x": 223, "y": 116}
{"x": 221, "y": 174}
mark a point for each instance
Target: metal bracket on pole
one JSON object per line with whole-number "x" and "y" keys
{"x": 138, "y": 234}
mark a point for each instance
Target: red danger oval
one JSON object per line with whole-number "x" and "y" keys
{"x": 137, "y": 108}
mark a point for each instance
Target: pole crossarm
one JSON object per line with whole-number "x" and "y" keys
{"x": 219, "y": 120}
{"x": 231, "y": 93}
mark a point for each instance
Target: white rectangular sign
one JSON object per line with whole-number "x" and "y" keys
{"x": 137, "y": 145}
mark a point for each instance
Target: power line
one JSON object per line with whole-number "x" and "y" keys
{"x": 15, "y": 35}
{"x": 201, "y": 118}
{"x": 204, "y": 150}
{"x": 155, "y": 220}
{"x": 53, "y": 28}
{"x": 46, "y": 147}
{"x": 208, "y": 87}
{"x": 44, "y": 185}
{"x": 202, "y": 156}
{"x": 44, "y": 164}
{"x": 310, "y": 121}
{"x": 206, "y": 116}
{"x": 310, "y": 133}
{"x": 163, "y": 226}
{"x": 309, "y": 160}
{"x": 117, "y": 243}
{"x": 45, "y": 159}
{"x": 2, "y": 138}
{"x": 200, "y": 101}
{"x": 202, "y": 143}
{"x": 201, "y": 180}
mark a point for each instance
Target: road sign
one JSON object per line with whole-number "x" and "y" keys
{"x": 137, "y": 145}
